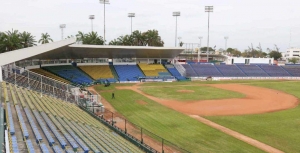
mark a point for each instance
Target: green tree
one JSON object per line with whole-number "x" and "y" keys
{"x": 92, "y": 38}
{"x": 80, "y": 36}
{"x": 230, "y": 50}
{"x": 294, "y": 60}
{"x": 11, "y": 40}
{"x": 45, "y": 38}
{"x": 275, "y": 54}
{"x": 27, "y": 40}
{"x": 181, "y": 44}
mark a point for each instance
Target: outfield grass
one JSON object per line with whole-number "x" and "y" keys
{"x": 178, "y": 128}
{"x": 199, "y": 93}
{"x": 278, "y": 129}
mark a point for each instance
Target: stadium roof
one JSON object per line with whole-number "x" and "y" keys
{"x": 67, "y": 49}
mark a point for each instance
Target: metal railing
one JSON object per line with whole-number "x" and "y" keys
{"x": 140, "y": 136}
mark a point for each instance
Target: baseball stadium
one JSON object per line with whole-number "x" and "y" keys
{"x": 70, "y": 97}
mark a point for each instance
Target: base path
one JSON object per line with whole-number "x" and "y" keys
{"x": 257, "y": 100}
{"x": 237, "y": 135}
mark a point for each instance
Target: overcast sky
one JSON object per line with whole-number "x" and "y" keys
{"x": 267, "y": 22}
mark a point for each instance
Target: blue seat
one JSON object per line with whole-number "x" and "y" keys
{"x": 128, "y": 72}
{"x": 33, "y": 125}
{"x": 21, "y": 120}
{"x": 52, "y": 127}
{"x": 44, "y": 128}
{"x": 14, "y": 143}
{"x": 30, "y": 146}
{"x": 44, "y": 148}
{"x": 57, "y": 149}
{"x": 10, "y": 119}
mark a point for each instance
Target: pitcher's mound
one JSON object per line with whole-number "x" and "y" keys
{"x": 185, "y": 91}
{"x": 141, "y": 102}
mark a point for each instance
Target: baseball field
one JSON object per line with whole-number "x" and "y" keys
{"x": 266, "y": 112}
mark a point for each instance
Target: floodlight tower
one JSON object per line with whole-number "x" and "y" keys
{"x": 131, "y": 15}
{"x": 226, "y": 38}
{"x": 62, "y": 26}
{"x": 104, "y": 2}
{"x": 199, "y": 48}
{"x": 208, "y": 9}
{"x": 92, "y": 17}
{"x": 176, "y": 14}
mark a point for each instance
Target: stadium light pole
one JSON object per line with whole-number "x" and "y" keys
{"x": 104, "y": 2}
{"x": 208, "y": 9}
{"x": 131, "y": 15}
{"x": 176, "y": 14}
{"x": 92, "y": 17}
{"x": 199, "y": 48}
{"x": 226, "y": 38}
{"x": 62, "y": 26}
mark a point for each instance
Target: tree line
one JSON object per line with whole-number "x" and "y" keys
{"x": 12, "y": 40}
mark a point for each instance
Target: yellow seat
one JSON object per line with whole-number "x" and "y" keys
{"x": 152, "y": 69}
{"x": 97, "y": 71}
{"x": 50, "y": 75}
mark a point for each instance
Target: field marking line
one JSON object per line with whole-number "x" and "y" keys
{"x": 237, "y": 135}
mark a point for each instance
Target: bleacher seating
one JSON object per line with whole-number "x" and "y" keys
{"x": 98, "y": 71}
{"x": 230, "y": 71}
{"x": 128, "y": 72}
{"x": 70, "y": 73}
{"x": 152, "y": 69}
{"x": 253, "y": 70}
{"x": 275, "y": 71}
{"x": 293, "y": 70}
{"x": 65, "y": 127}
{"x": 175, "y": 72}
{"x": 189, "y": 71}
{"x": 50, "y": 75}
{"x": 205, "y": 70}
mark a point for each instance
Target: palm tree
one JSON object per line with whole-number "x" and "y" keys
{"x": 2, "y": 38}
{"x": 138, "y": 38}
{"x": 80, "y": 36}
{"x": 27, "y": 40}
{"x": 45, "y": 38}
{"x": 92, "y": 38}
{"x": 11, "y": 40}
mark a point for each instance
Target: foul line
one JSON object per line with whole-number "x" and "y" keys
{"x": 237, "y": 135}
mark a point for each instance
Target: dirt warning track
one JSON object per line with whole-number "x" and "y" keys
{"x": 257, "y": 100}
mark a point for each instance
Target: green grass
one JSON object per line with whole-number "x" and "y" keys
{"x": 178, "y": 128}
{"x": 278, "y": 129}
{"x": 200, "y": 93}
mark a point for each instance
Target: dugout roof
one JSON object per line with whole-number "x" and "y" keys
{"x": 68, "y": 49}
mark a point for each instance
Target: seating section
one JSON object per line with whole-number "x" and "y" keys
{"x": 56, "y": 126}
{"x": 189, "y": 71}
{"x": 253, "y": 70}
{"x": 205, "y": 70}
{"x": 128, "y": 72}
{"x": 175, "y": 72}
{"x": 50, "y": 75}
{"x": 293, "y": 70}
{"x": 230, "y": 71}
{"x": 70, "y": 73}
{"x": 276, "y": 71}
{"x": 98, "y": 71}
{"x": 151, "y": 70}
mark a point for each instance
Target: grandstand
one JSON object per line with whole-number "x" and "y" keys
{"x": 153, "y": 70}
{"x": 98, "y": 71}
{"x": 128, "y": 72}
{"x": 70, "y": 73}
{"x": 55, "y": 125}
{"x": 50, "y": 75}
